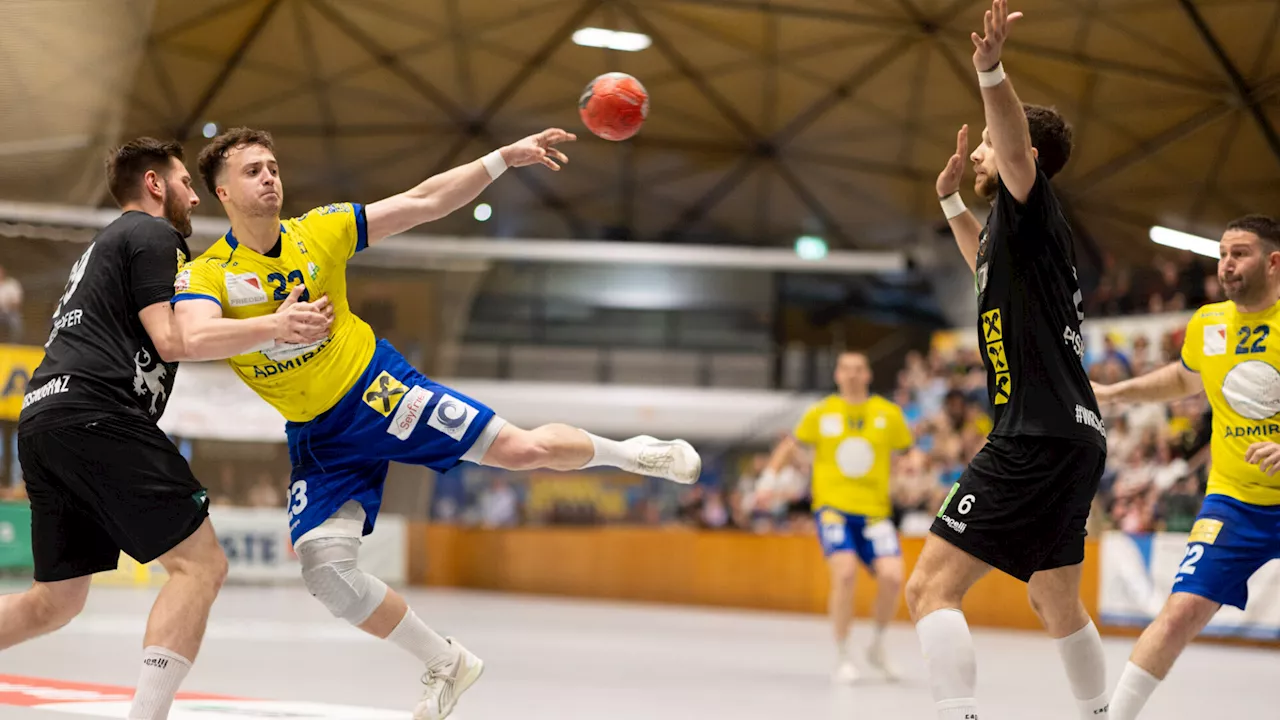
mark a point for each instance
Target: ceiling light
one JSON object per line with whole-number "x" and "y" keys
{"x": 210, "y": 129}
{"x": 809, "y": 247}
{"x": 1184, "y": 241}
{"x": 612, "y": 39}
{"x": 483, "y": 212}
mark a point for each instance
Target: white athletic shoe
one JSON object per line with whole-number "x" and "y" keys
{"x": 877, "y": 658}
{"x": 673, "y": 460}
{"x": 446, "y": 680}
{"x": 846, "y": 672}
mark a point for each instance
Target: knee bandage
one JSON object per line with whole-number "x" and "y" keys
{"x": 331, "y": 576}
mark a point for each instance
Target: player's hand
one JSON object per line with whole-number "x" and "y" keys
{"x": 538, "y": 148}
{"x": 1102, "y": 393}
{"x": 995, "y": 28}
{"x": 1266, "y": 455}
{"x": 303, "y": 322}
{"x": 951, "y": 175}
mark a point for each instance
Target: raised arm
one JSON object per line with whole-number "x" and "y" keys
{"x": 1171, "y": 382}
{"x": 1006, "y": 118}
{"x": 963, "y": 224}
{"x": 206, "y": 335}
{"x": 439, "y": 195}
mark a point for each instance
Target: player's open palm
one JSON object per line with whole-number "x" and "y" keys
{"x": 303, "y": 322}
{"x": 539, "y": 149}
{"x": 951, "y": 175}
{"x": 995, "y": 28}
{"x": 1266, "y": 455}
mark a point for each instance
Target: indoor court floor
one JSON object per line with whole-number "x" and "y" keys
{"x": 275, "y": 652}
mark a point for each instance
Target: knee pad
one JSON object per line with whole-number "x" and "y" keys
{"x": 331, "y": 576}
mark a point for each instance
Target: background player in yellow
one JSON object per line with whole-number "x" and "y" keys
{"x": 853, "y": 436}
{"x": 1229, "y": 354}
{"x": 353, "y": 403}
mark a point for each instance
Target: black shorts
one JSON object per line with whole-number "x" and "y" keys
{"x": 98, "y": 488}
{"x": 1022, "y": 504}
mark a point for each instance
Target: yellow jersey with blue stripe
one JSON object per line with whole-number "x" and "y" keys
{"x": 1239, "y": 364}
{"x": 301, "y": 381}
{"x": 853, "y": 447}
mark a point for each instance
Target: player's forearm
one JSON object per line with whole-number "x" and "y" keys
{"x": 781, "y": 457}
{"x": 222, "y": 338}
{"x": 1163, "y": 385}
{"x": 967, "y": 229}
{"x": 1006, "y": 123}
{"x": 440, "y": 195}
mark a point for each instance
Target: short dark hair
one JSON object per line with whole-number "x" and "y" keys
{"x": 214, "y": 154}
{"x": 1265, "y": 227}
{"x": 127, "y": 164}
{"x": 1050, "y": 136}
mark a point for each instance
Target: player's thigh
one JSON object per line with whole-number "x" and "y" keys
{"x": 1229, "y": 542}
{"x": 836, "y": 532}
{"x": 68, "y": 539}
{"x": 877, "y": 540}
{"x": 842, "y": 566}
{"x": 430, "y": 424}
{"x": 942, "y": 575}
{"x": 144, "y": 492}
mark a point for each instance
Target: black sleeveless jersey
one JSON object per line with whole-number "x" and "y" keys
{"x": 1030, "y": 310}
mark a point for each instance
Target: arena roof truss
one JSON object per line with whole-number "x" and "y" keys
{"x": 769, "y": 120}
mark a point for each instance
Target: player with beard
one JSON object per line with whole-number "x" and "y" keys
{"x": 101, "y": 477}
{"x": 1021, "y": 505}
{"x": 1229, "y": 355}
{"x": 352, "y": 402}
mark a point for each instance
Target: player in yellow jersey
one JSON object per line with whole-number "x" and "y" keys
{"x": 853, "y": 436}
{"x": 352, "y": 402}
{"x": 1228, "y": 353}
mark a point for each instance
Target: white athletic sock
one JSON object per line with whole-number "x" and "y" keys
{"x": 1086, "y": 666}
{"x": 419, "y": 640}
{"x": 162, "y": 672}
{"x": 610, "y": 453}
{"x": 1132, "y": 692}
{"x": 953, "y": 667}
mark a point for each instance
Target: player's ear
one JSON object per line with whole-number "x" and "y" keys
{"x": 1035, "y": 154}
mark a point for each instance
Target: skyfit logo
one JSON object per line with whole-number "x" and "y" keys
{"x": 954, "y": 524}
{"x": 156, "y": 662}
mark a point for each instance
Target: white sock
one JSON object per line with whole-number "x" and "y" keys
{"x": 1132, "y": 692}
{"x": 610, "y": 453}
{"x": 419, "y": 640}
{"x": 1086, "y": 666}
{"x": 953, "y": 668}
{"x": 162, "y": 672}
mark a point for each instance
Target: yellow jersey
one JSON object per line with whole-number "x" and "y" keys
{"x": 853, "y": 445}
{"x": 1239, "y": 363}
{"x": 301, "y": 381}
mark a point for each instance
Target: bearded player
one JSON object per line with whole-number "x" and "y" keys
{"x": 1022, "y": 504}
{"x": 353, "y": 403}
{"x": 853, "y": 435}
{"x": 1228, "y": 353}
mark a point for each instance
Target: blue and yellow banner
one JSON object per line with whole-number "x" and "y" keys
{"x": 17, "y": 363}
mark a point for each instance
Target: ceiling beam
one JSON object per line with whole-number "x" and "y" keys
{"x": 1239, "y": 87}
{"x": 228, "y": 67}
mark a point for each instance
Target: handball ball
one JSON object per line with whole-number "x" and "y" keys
{"x": 614, "y": 106}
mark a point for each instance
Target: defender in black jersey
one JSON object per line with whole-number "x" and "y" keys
{"x": 101, "y": 476}
{"x": 1022, "y": 504}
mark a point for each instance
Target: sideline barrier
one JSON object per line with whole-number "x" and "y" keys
{"x": 688, "y": 567}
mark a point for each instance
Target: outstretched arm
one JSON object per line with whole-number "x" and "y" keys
{"x": 963, "y": 224}
{"x": 206, "y": 335}
{"x": 1171, "y": 382}
{"x": 439, "y": 195}
{"x": 1006, "y": 118}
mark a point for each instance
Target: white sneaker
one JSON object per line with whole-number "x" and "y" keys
{"x": 877, "y": 658}
{"x": 673, "y": 460}
{"x": 846, "y": 673}
{"x": 446, "y": 680}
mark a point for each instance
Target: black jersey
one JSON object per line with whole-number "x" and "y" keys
{"x": 1030, "y": 310}
{"x": 99, "y": 359}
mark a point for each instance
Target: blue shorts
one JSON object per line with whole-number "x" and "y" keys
{"x": 841, "y": 532}
{"x": 393, "y": 412}
{"x": 1230, "y": 541}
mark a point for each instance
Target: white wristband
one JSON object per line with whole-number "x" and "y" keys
{"x": 952, "y": 205}
{"x": 494, "y": 163}
{"x": 992, "y": 77}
